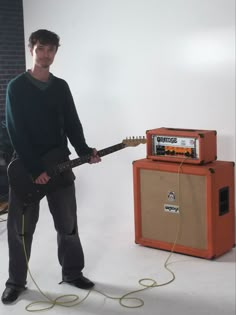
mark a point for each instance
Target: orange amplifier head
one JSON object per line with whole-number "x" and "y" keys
{"x": 177, "y": 145}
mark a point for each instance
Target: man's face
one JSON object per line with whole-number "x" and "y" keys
{"x": 43, "y": 55}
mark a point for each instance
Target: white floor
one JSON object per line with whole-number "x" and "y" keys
{"x": 116, "y": 263}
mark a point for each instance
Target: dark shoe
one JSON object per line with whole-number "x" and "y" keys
{"x": 81, "y": 282}
{"x": 10, "y": 295}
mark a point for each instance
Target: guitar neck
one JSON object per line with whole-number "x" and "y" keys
{"x": 86, "y": 158}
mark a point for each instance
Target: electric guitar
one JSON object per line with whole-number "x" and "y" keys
{"x": 55, "y": 165}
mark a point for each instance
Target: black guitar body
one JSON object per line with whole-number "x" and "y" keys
{"x": 23, "y": 184}
{"x": 25, "y": 188}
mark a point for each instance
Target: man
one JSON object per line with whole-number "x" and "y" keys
{"x": 41, "y": 116}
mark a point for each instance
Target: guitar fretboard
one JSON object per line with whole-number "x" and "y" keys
{"x": 86, "y": 158}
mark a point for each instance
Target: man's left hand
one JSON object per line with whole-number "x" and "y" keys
{"x": 95, "y": 158}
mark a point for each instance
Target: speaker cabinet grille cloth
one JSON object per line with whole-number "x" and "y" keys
{"x": 195, "y": 203}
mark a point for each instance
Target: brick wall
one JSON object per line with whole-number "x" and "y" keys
{"x": 12, "y": 62}
{"x": 12, "y": 52}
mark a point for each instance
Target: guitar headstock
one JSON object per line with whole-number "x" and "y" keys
{"x": 134, "y": 141}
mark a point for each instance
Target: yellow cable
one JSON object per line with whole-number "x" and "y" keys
{"x": 73, "y": 300}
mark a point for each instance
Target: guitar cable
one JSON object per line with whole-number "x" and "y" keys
{"x": 72, "y": 300}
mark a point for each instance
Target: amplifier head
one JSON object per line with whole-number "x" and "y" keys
{"x": 176, "y": 145}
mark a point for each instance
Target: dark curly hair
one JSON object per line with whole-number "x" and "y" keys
{"x": 45, "y": 37}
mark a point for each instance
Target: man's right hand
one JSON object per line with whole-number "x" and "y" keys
{"x": 42, "y": 179}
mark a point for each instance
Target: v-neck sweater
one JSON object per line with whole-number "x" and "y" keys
{"x": 39, "y": 120}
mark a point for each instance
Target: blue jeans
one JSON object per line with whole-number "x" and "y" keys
{"x": 62, "y": 205}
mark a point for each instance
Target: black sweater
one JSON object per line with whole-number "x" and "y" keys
{"x": 39, "y": 120}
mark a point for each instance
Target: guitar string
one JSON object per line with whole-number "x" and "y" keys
{"x": 72, "y": 300}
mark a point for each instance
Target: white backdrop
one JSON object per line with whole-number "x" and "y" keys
{"x": 134, "y": 65}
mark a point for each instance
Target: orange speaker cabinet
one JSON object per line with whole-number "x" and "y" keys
{"x": 173, "y": 144}
{"x": 185, "y": 208}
